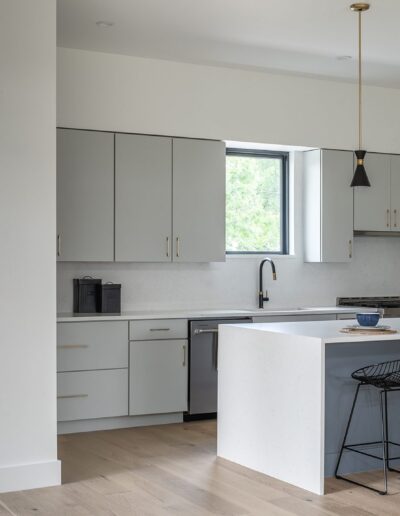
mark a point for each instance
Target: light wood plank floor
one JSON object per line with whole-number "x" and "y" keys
{"x": 173, "y": 470}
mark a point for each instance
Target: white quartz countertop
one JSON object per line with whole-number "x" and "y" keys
{"x": 205, "y": 314}
{"x": 324, "y": 331}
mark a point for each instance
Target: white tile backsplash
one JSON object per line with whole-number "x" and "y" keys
{"x": 374, "y": 271}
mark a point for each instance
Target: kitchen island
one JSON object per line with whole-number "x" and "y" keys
{"x": 284, "y": 395}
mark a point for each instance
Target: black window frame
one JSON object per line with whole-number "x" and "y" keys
{"x": 284, "y": 157}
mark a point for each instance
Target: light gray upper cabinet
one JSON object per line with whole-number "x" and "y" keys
{"x": 328, "y": 206}
{"x": 395, "y": 193}
{"x": 198, "y": 200}
{"x": 372, "y": 205}
{"x": 139, "y": 198}
{"x": 85, "y": 195}
{"x": 143, "y": 197}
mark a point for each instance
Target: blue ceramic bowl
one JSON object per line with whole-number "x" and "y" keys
{"x": 368, "y": 319}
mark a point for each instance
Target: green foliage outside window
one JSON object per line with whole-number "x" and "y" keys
{"x": 253, "y": 204}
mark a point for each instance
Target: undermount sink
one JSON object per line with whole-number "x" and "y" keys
{"x": 216, "y": 311}
{"x": 295, "y": 309}
{"x": 290, "y": 309}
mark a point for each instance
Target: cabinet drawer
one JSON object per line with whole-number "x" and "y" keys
{"x": 92, "y": 394}
{"x": 83, "y": 346}
{"x": 157, "y": 329}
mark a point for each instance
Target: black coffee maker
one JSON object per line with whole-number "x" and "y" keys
{"x": 91, "y": 296}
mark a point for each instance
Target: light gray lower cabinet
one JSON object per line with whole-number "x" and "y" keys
{"x": 143, "y": 198}
{"x": 85, "y": 195}
{"x": 92, "y": 370}
{"x": 92, "y": 394}
{"x": 198, "y": 200}
{"x": 158, "y": 376}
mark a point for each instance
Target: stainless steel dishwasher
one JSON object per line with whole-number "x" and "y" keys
{"x": 203, "y": 366}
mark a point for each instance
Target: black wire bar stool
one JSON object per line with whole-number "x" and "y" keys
{"x": 386, "y": 377}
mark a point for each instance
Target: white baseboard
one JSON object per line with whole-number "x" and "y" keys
{"x": 112, "y": 423}
{"x": 30, "y": 476}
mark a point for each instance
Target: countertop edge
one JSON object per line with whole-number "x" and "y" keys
{"x": 200, "y": 314}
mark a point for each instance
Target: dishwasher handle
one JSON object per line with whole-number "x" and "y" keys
{"x": 199, "y": 331}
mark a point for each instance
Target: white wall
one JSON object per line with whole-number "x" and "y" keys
{"x": 122, "y": 93}
{"x": 28, "y": 446}
{"x": 103, "y": 91}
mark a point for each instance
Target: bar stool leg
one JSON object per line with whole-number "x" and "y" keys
{"x": 383, "y": 394}
{"x": 387, "y": 437}
{"x": 347, "y": 431}
{"x": 387, "y": 432}
{"x": 384, "y": 443}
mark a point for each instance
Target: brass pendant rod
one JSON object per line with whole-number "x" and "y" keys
{"x": 359, "y": 84}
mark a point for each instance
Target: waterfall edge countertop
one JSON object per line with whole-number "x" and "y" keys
{"x": 324, "y": 332}
{"x": 284, "y": 395}
{"x": 206, "y": 313}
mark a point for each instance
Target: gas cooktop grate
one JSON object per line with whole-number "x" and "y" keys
{"x": 370, "y": 302}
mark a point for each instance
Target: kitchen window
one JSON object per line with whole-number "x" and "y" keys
{"x": 256, "y": 202}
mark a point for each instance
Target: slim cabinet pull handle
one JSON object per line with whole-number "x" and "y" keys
{"x": 159, "y": 329}
{"x": 58, "y": 245}
{"x": 177, "y": 247}
{"x": 184, "y": 355}
{"x": 395, "y": 218}
{"x": 167, "y": 247}
{"x": 350, "y": 248}
{"x": 73, "y": 346}
{"x": 387, "y": 218}
{"x": 71, "y": 396}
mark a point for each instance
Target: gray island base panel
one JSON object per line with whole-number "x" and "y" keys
{"x": 340, "y": 361}
{"x": 285, "y": 393}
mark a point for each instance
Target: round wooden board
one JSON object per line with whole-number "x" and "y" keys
{"x": 359, "y": 331}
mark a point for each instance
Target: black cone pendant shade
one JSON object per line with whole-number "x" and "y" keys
{"x": 360, "y": 177}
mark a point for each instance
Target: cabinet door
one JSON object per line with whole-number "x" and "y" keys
{"x": 158, "y": 376}
{"x": 395, "y": 192}
{"x": 143, "y": 197}
{"x": 85, "y": 195}
{"x": 372, "y": 204}
{"x": 336, "y": 206}
{"x": 198, "y": 200}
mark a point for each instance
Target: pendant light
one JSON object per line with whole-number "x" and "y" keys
{"x": 360, "y": 177}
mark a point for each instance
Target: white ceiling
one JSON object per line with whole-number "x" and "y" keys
{"x": 291, "y": 36}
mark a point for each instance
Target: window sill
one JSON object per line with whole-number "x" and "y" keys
{"x": 258, "y": 257}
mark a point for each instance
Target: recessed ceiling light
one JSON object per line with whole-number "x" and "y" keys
{"x": 344, "y": 58}
{"x": 104, "y": 24}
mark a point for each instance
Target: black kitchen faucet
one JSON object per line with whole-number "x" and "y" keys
{"x": 261, "y": 297}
